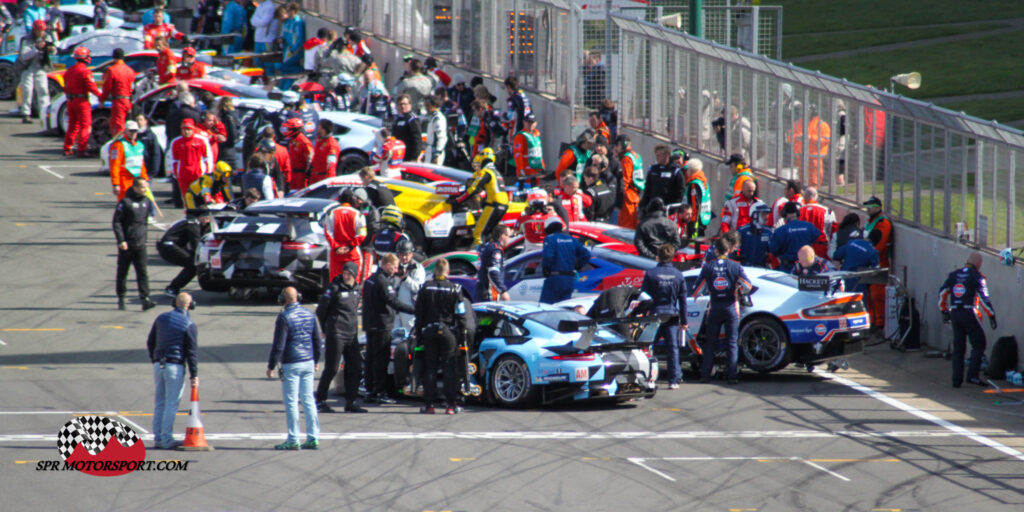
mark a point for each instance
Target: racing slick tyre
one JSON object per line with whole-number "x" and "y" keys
{"x": 510, "y": 382}
{"x": 352, "y": 162}
{"x": 100, "y": 129}
{"x": 764, "y": 345}
{"x": 62, "y": 118}
{"x": 208, "y": 286}
{"x": 8, "y": 81}
{"x": 415, "y": 233}
{"x": 403, "y": 365}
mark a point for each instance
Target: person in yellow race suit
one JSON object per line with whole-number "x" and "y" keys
{"x": 495, "y": 201}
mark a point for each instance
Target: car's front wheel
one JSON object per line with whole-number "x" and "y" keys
{"x": 764, "y": 345}
{"x": 8, "y": 81}
{"x": 510, "y": 382}
{"x": 352, "y": 162}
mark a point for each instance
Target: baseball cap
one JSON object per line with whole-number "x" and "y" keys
{"x": 187, "y": 123}
{"x": 874, "y": 201}
{"x": 790, "y": 207}
{"x": 360, "y": 194}
{"x": 409, "y": 56}
{"x": 735, "y": 158}
{"x": 131, "y": 126}
{"x": 39, "y": 24}
{"x": 552, "y": 221}
{"x": 530, "y": 118}
{"x": 267, "y": 145}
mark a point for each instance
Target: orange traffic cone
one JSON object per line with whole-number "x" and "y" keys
{"x": 195, "y": 438}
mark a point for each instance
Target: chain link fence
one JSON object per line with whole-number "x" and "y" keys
{"x": 942, "y": 171}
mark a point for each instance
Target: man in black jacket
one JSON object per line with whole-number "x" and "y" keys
{"x": 172, "y": 343}
{"x": 130, "y": 220}
{"x": 179, "y": 244}
{"x": 379, "y": 306}
{"x": 665, "y": 179}
{"x": 407, "y": 129}
{"x": 655, "y": 230}
{"x": 154, "y": 154}
{"x": 440, "y": 328}
{"x": 337, "y": 312}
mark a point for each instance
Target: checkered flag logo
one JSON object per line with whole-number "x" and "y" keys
{"x": 94, "y": 432}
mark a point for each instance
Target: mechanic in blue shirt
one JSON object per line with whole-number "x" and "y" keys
{"x": 233, "y": 20}
{"x": 173, "y": 343}
{"x": 562, "y": 255}
{"x": 794, "y": 234}
{"x": 293, "y": 35}
{"x": 724, "y": 279}
{"x": 490, "y": 278}
{"x": 810, "y": 264}
{"x": 667, "y": 289}
{"x": 755, "y": 237}
{"x": 858, "y": 254}
{"x": 962, "y": 298}
{"x": 297, "y": 347}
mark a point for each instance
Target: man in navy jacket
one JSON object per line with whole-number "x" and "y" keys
{"x": 297, "y": 348}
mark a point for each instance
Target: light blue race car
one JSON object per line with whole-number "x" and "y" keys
{"x": 527, "y": 351}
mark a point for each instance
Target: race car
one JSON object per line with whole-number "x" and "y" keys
{"x": 420, "y": 172}
{"x": 354, "y": 132}
{"x": 607, "y": 268}
{"x": 78, "y": 19}
{"x": 101, "y": 42}
{"x": 275, "y": 243}
{"x": 430, "y": 222}
{"x": 526, "y": 351}
{"x": 785, "y": 322}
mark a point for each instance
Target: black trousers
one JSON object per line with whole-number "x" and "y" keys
{"x": 178, "y": 202}
{"x": 135, "y": 257}
{"x": 181, "y": 257}
{"x": 334, "y": 351}
{"x": 966, "y": 327}
{"x": 439, "y": 352}
{"x": 378, "y": 354}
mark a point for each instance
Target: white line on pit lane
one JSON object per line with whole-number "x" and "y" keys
{"x": 47, "y": 169}
{"x": 642, "y": 462}
{"x": 2, "y": 342}
{"x": 555, "y": 436}
{"x": 977, "y": 437}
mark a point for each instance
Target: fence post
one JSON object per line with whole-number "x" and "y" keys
{"x": 696, "y": 18}
{"x": 608, "y": 48}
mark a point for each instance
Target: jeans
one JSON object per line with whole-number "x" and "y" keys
{"x": 296, "y": 385}
{"x": 667, "y": 331}
{"x": 170, "y": 383}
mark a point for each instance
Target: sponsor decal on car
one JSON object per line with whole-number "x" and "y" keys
{"x": 448, "y": 189}
{"x": 582, "y": 373}
{"x": 820, "y": 329}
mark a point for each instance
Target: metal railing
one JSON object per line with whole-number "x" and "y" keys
{"x": 945, "y": 172}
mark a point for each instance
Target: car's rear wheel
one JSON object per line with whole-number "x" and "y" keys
{"x": 62, "y": 118}
{"x": 415, "y": 233}
{"x": 8, "y": 81}
{"x": 352, "y": 162}
{"x": 459, "y": 267}
{"x": 510, "y": 382}
{"x": 764, "y": 345}
{"x": 53, "y": 88}
{"x": 100, "y": 128}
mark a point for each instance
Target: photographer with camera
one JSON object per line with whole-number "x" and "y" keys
{"x": 34, "y": 61}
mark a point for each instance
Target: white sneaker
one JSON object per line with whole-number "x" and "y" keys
{"x": 673, "y": 386}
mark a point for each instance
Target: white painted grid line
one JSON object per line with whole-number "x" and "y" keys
{"x": 952, "y": 427}
{"x": 640, "y": 462}
{"x": 47, "y": 169}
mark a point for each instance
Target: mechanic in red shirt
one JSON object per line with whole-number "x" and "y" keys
{"x": 818, "y": 214}
{"x": 736, "y": 211}
{"x": 166, "y": 62}
{"x": 189, "y": 68}
{"x": 78, "y": 84}
{"x": 300, "y": 153}
{"x": 190, "y": 156}
{"x": 345, "y": 229}
{"x": 792, "y": 193}
{"x": 572, "y": 199}
{"x": 118, "y": 80}
{"x": 158, "y": 29}
{"x": 531, "y": 222}
{"x": 215, "y": 132}
{"x": 325, "y": 154}
{"x": 389, "y": 152}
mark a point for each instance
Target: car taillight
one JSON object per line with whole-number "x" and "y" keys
{"x": 836, "y": 309}
{"x": 213, "y": 244}
{"x": 298, "y": 246}
{"x": 647, "y": 352}
{"x": 586, "y": 356}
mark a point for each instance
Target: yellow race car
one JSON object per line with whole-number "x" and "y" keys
{"x": 430, "y": 221}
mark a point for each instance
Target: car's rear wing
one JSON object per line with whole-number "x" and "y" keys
{"x": 829, "y": 283}
{"x": 588, "y": 328}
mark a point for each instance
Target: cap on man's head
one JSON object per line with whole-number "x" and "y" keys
{"x": 39, "y": 25}
{"x": 131, "y": 126}
{"x": 360, "y": 194}
{"x": 791, "y": 208}
{"x": 407, "y": 57}
{"x": 873, "y": 201}
{"x": 678, "y": 154}
{"x": 530, "y": 118}
{"x": 188, "y": 123}
{"x": 656, "y": 205}
{"x": 550, "y": 223}
{"x": 351, "y": 268}
{"x": 267, "y": 145}
{"x": 459, "y": 79}
{"x": 735, "y": 158}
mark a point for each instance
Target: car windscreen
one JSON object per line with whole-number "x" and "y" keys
{"x": 780, "y": 278}
{"x": 624, "y": 235}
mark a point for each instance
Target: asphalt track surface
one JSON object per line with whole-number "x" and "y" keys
{"x": 887, "y": 435}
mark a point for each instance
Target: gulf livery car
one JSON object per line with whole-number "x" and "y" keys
{"x": 609, "y": 236}
{"x": 783, "y": 324}
{"x": 523, "y": 352}
{"x": 606, "y": 269}
{"x": 274, "y": 243}
{"x": 430, "y": 221}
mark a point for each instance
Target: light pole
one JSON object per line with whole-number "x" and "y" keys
{"x": 910, "y": 80}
